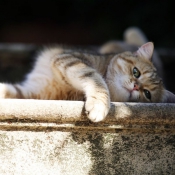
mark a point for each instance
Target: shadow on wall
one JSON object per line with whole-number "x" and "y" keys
{"x": 133, "y": 150}
{"x": 129, "y": 153}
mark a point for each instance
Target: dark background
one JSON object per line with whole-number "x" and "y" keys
{"x": 83, "y": 22}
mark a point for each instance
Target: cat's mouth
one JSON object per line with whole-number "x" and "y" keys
{"x": 130, "y": 94}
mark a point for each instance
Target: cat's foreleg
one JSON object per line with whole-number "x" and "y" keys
{"x": 86, "y": 79}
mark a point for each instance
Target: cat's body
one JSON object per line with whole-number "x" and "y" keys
{"x": 54, "y": 76}
{"x": 66, "y": 74}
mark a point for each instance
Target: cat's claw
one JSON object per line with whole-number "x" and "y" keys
{"x": 97, "y": 110}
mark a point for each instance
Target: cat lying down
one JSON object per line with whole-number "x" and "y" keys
{"x": 61, "y": 74}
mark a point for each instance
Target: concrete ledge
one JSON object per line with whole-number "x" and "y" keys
{"x": 72, "y": 111}
{"x": 56, "y": 137}
{"x": 123, "y": 115}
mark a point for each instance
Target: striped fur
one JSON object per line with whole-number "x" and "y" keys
{"x": 133, "y": 38}
{"x": 61, "y": 74}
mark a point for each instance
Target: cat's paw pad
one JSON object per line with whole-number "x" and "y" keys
{"x": 97, "y": 110}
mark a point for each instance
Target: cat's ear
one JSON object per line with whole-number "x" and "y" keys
{"x": 146, "y": 50}
{"x": 168, "y": 97}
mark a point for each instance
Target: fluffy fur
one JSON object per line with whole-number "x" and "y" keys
{"x": 61, "y": 74}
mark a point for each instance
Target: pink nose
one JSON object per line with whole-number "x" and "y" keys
{"x": 136, "y": 87}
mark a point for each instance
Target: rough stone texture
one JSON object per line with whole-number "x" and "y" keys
{"x": 55, "y": 137}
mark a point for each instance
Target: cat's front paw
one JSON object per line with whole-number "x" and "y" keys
{"x": 97, "y": 110}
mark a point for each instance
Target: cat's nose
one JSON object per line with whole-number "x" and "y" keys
{"x": 136, "y": 87}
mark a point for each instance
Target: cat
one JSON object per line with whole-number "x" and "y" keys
{"x": 64, "y": 74}
{"x": 133, "y": 38}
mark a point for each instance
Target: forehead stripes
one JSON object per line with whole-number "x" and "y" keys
{"x": 148, "y": 78}
{"x": 127, "y": 60}
{"x": 144, "y": 66}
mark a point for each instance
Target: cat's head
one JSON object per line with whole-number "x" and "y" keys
{"x": 131, "y": 77}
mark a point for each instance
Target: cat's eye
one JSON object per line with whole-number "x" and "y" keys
{"x": 147, "y": 94}
{"x": 136, "y": 72}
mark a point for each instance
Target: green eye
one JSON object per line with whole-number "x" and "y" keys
{"x": 147, "y": 94}
{"x": 136, "y": 72}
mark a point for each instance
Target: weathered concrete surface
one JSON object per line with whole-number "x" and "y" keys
{"x": 55, "y": 137}
{"x": 71, "y": 111}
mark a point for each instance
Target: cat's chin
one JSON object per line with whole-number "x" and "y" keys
{"x": 125, "y": 96}
{"x": 133, "y": 97}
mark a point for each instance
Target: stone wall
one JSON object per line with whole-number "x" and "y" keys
{"x": 55, "y": 137}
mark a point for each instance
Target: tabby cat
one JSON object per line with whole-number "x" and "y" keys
{"x": 63, "y": 74}
{"x": 133, "y": 38}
